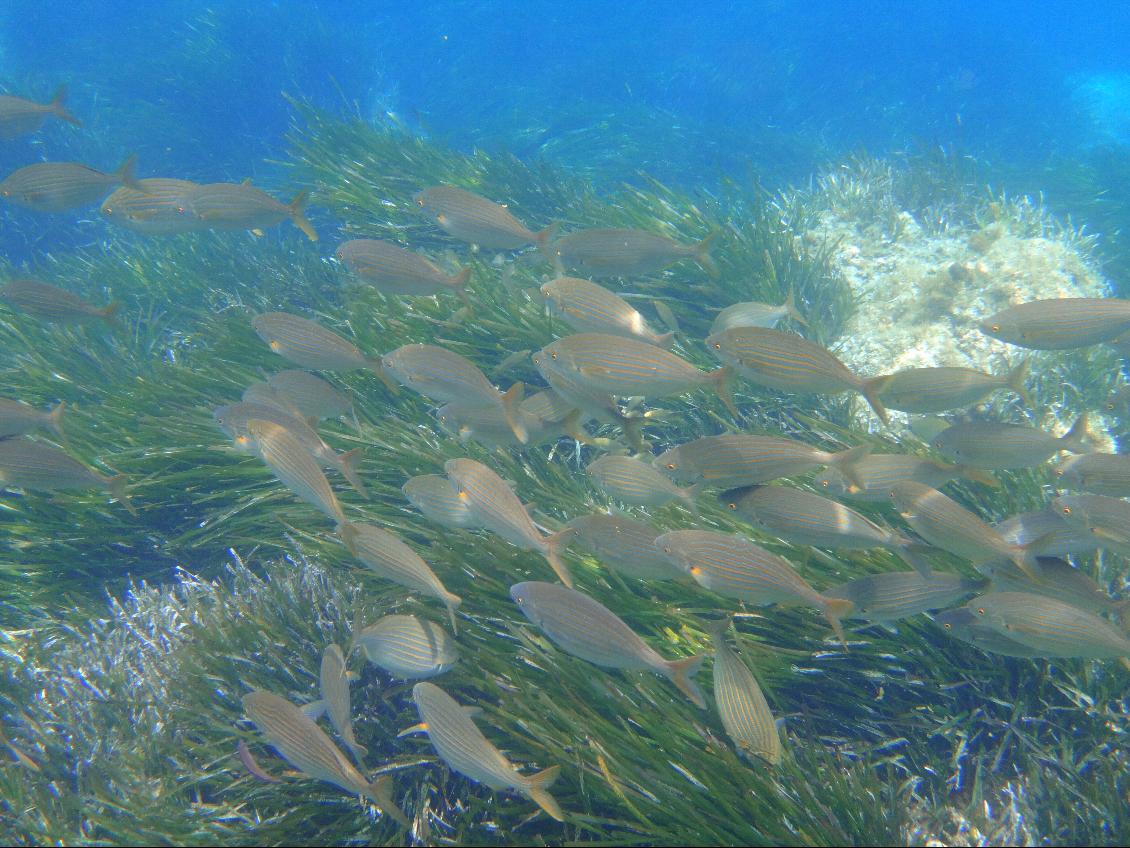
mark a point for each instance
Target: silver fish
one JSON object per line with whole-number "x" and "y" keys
{"x": 1060, "y": 323}
{"x": 294, "y": 466}
{"x": 407, "y": 647}
{"x": 589, "y": 308}
{"x": 633, "y": 481}
{"x": 901, "y": 594}
{"x": 1096, "y": 473}
{"x": 987, "y": 444}
{"x": 432, "y": 495}
{"x": 17, "y": 418}
{"x": 626, "y": 253}
{"x": 625, "y": 544}
{"x": 741, "y": 704}
{"x": 334, "y": 679}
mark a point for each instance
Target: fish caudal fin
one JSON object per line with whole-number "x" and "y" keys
{"x": 834, "y": 610}
{"x": 845, "y": 461}
{"x": 459, "y": 283}
{"x": 665, "y": 340}
{"x": 127, "y": 174}
{"x": 537, "y": 788}
{"x": 452, "y": 602}
{"x": 704, "y": 259}
{"x": 791, "y": 310}
{"x": 978, "y": 475}
{"x": 721, "y": 378}
{"x": 512, "y": 410}
{"x": 55, "y": 421}
{"x": 1015, "y": 380}
{"x": 59, "y": 110}
{"x": 1076, "y": 438}
{"x": 380, "y": 792}
{"x": 378, "y": 369}
{"x": 117, "y": 488}
{"x": 911, "y": 554}
{"x": 689, "y": 497}
{"x": 681, "y": 671}
{"x": 553, "y": 546}
{"x": 870, "y": 389}
{"x": 544, "y": 237}
{"x": 109, "y": 313}
{"x": 298, "y": 216}
{"x": 348, "y": 466}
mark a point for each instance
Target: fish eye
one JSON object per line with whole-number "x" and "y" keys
{"x": 825, "y": 483}
{"x": 717, "y": 345}
{"x": 553, "y": 356}
{"x": 733, "y": 505}
{"x": 667, "y": 549}
{"x": 420, "y": 202}
{"x": 1110, "y": 407}
{"x": 980, "y": 610}
{"x": 948, "y": 626}
{"x": 1059, "y": 472}
{"x": 1067, "y": 510}
{"x": 670, "y": 466}
{"x": 996, "y": 328}
{"x": 108, "y": 210}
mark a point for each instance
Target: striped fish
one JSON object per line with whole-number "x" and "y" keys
{"x": 393, "y": 270}
{"x": 589, "y": 404}
{"x": 874, "y": 475}
{"x": 28, "y": 464}
{"x": 407, "y": 647}
{"x": 1096, "y": 473}
{"x": 306, "y": 747}
{"x": 488, "y": 426}
{"x": 496, "y": 508}
{"x": 262, "y": 394}
{"x": 951, "y": 527}
{"x": 1061, "y": 580}
{"x": 61, "y": 186}
{"x": 334, "y": 703}
{"x": 625, "y": 544}
{"x": 589, "y": 308}
{"x": 1118, "y": 402}
{"x": 1106, "y": 519}
{"x": 433, "y": 495}
{"x": 476, "y": 220}
{"x": 1060, "y": 323}
{"x": 987, "y": 444}
{"x": 312, "y": 396}
{"x": 741, "y": 705}
{"x": 735, "y": 568}
{"x": 21, "y": 117}
{"x": 628, "y": 368}
{"x": 635, "y": 482}
{"x": 17, "y": 418}
{"x": 752, "y": 314}
{"x": 1058, "y": 537}
{"x": 808, "y": 519}
{"x": 294, "y": 466}
{"x": 1050, "y": 627}
{"x": 929, "y": 390}
{"x": 241, "y": 206}
{"x": 625, "y": 253}
{"x": 445, "y": 377}
{"x": 52, "y": 303}
{"x": 587, "y": 629}
{"x": 964, "y": 624}
{"x": 393, "y": 560}
{"x": 734, "y": 460}
{"x": 309, "y": 344}
{"x": 463, "y": 747}
{"x": 786, "y": 362}
{"x": 901, "y": 594}
{"x": 157, "y": 206}
{"x": 234, "y": 418}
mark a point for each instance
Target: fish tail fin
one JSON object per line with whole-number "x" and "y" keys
{"x": 544, "y": 237}
{"x": 357, "y": 749}
{"x": 722, "y": 378}
{"x": 349, "y": 461}
{"x": 911, "y": 554}
{"x": 58, "y": 108}
{"x": 1076, "y": 438}
{"x": 377, "y": 368}
{"x": 512, "y": 410}
{"x": 553, "y": 546}
{"x": 716, "y": 628}
{"x": 665, "y": 340}
{"x": 792, "y": 311}
{"x": 117, "y": 488}
{"x": 537, "y": 788}
{"x": 978, "y": 475}
{"x": 1024, "y": 557}
{"x": 127, "y": 174}
{"x": 689, "y": 495}
{"x": 681, "y": 671}
{"x": 452, "y": 602}
{"x": 55, "y": 421}
{"x": 845, "y": 461}
{"x": 667, "y": 316}
{"x": 459, "y": 283}
{"x": 632, "y": 425}
{"x": 348, "y": 533}
{"x": 834, "y": 610}
{"x": 380, "y": 791}
{"x": 109, "y": 312}
{"x": 296, "y": 208}
{"x": 870, "y": 388}
{"x": 704, "y": 259}
{"x": 571, "y": 427}
{"x": 1017, "y": 376}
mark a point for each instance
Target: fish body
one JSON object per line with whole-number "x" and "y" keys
{"x": 242, "y": 206}
{"x": 636, "y": 482}
{"x": 309, "y": 344}
{"x": 585, "y": 628}
{"x": 626, "y": 544}
{"x": 262, "y": 394}
{"x": 987, "y": 444}
{"x": 52, "y": 303}
{"x": 19, "y": 116}
{"x": 589, "y": 308}
{"x": 29, "y": 464}
{"x": 335, "y": 696}
{"x": 1107, "y": 519}
{"x": 875, "y": 474}
{"x": 753, "y": 314}
{"x": 312, "y": 396}
{"x": 294, "y": 466}
{"x": 394, "y": 270}
{"x": 900, "y": 594}
{"x": 625, "y": 253}
{"x": 1060, "y": 323}
{"x": 1096, "y": 473}
{"x": 1058, "y": 537}
{"x": 962, "y": 623}
{"x": 741, "y": 704}
{"x": 463, "y": 747}
{"x": 157, "y": 206}
{"x": 407, "y": 647}
{"x": 1059, "y": 579}
{"x": 476, "y": 220}
{"x": 61, "y": 186}
{"x": 488, "y": 426}
{"x": 433, "y": 495}
{"x": 17, "y": 418}
{"x": 787, "y": 362}
{"x": 930, "y": 390}
{"x": 1049, "y": 626}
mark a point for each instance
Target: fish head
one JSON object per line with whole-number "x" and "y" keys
{"x": 1002, "y": 328}
{"x": 523, "y": 595}
{"x": 957, "y": 622}
{"x": 669, "y": 461}
{"x": 732, "y": 499}
{"x": 1072, "y": 509}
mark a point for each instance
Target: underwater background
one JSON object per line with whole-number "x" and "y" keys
{"x": 862, "y": 156}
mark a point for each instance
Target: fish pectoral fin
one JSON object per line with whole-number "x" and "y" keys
{"x": 422, "y": 727}
{"x": 314, "y": 710}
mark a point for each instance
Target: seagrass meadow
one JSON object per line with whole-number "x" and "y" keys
{"x": 128, "y": 640}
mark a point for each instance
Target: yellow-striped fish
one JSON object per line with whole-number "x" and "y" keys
{"x": 242, "y": 206}
{"x": 1050, "y": 627}
{"x": 1107, "y": 519}
{"x": 874, "y": 475}
{"x": 312, "y": 396}
{"x": 1096, "y": 473}
{"x": 295, "y": 467}
{"x": 752, "y": 314}
{"x": 1060, "y": 323}
{"x": 626, "y": 253}
{"x": 334, "y": 679}
{"x": 626, "y": 544}
{"x": 988, "y": 444}
{"x": 407, "y": 647}
{"x": 463, "y": 747}
{"x": 28, "y": 464}
{"x": 309, "y": 344}
{"x": 964, "y": 624}
{"x": 60, "y": 186}
{"x": 585, "y": 628}
{"x": 433, "y": 495}
{"x": 17, "y": 418}
{"x": 394, "y": 270}
{"x": 1059, "y": 579}
{"x": 589, "y": 308}
{"x": 635, "y": 482}
{"x": 52, "y": 303}
{"x": 741, "y": 704}
{"x": 21, "y": 117}
{"x": 1058, "y": 537}
{"x": 157, "y": 206}
{"x": 929, "y": 390}
{"x": 476, "y": 220}
{"x": 900, "y": 594}
{"x": 487, "y": 425}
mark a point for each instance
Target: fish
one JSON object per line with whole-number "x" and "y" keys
{"x": 929, "y": 390}
{"x": 625, "y": 544}
{"x": 740, "y": 702}
{"x": 496, "y": 508}
{"x": 628, "y": 368}
{"x": 253, "y": 768}
{"x": 1118, "y": 402}
{"x": 805, "y": 518}
{"x": 1058, "y": 537}
{"x": 467, "y": 751}
{"x": 949, "y": 526}
{"x": 309, "y": 344}
{"x": 962, "y": 623}
{"x": 28, "y": 464}
{"x": 1096, "y": 473}
{"x": 235, "y": 418}
{"x": 312, "y": 396}
{"x": 391, "y": 269}
{"x": 242, "y": 206}
{"x": 1061, "y": 580}
{"x": 901, "y": 594}
{"x": 987, "y": 444}
{"x": 589, "y": 308}
{"x": 407, "y": 647}
{"x": 488, "y": 426}
{"x": 753, "y": 314}
{"x": 263, "y": 395}
{"x": 433, "y": 495}
{"x": 335, "y": 699}
{"x": 17, "y": 418}
{"x": 21, "y": 117}
{"x": 634, "y": 481}
{"x": 737, "y": 568}
{"x": 736, "y": 459}
{"x": 787, "y": 362}
{"x": 874, "y": 474}
{"x": 52, "y": 303}
{"x": 1060, "y": 323}
{"x": 1107, "y": 519}
{"x": 61, "y": 186}
{"x": 1049, "y": 626}
{"x": 476, "y": 220}
{"x": 571, "y": 392}
{"x": 585, "y": 628}
{"x": 306, "y": 747}
{"x": 626, "y": 253}
{"x": 445, "y": 376}
{"x": 393, "y": 560}
{"x": 157, "y": 206}
{"x": 294, "y": 466}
